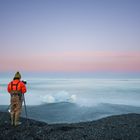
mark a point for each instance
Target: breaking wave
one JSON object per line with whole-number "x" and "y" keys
{"x": 62, "y": 96}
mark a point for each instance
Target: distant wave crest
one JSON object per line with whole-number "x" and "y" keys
{"x": 62, "y": 96}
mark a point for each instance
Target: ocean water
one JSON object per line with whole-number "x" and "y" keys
{"x": 83, "y": 92}
{"x": 70, "y": 100}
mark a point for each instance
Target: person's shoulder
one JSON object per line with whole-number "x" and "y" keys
{"x": 10, "y": 82}
{"x": 21, "y": 82}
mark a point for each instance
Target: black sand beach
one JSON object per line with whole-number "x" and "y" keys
{"x": 118, "y": 127}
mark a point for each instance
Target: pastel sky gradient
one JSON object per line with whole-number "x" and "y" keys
{"x": 70, "y": 35}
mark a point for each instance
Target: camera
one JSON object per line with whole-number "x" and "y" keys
{"x": 24, "y": 82}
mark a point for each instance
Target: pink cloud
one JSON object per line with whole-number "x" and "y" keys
{"x": 79, "y": 61}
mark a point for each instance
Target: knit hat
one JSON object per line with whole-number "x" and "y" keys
{"x": 17, "y": 76}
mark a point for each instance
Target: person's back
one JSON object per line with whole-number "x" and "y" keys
{"x": 16, "y": 88}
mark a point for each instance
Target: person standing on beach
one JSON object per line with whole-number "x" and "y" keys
{"x": 16, "y": 88}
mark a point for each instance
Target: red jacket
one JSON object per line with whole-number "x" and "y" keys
{"x": 16, "y": 85}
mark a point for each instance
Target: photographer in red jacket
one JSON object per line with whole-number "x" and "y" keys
{"x": 16, "y": 88}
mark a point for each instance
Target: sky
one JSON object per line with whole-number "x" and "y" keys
{"x": 85, "y": 36}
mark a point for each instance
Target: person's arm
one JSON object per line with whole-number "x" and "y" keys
{"x": 9, "y": 87}
{"x": 23, "y": 88}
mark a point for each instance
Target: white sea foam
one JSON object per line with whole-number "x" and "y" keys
{"x": 61, "y": 96}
